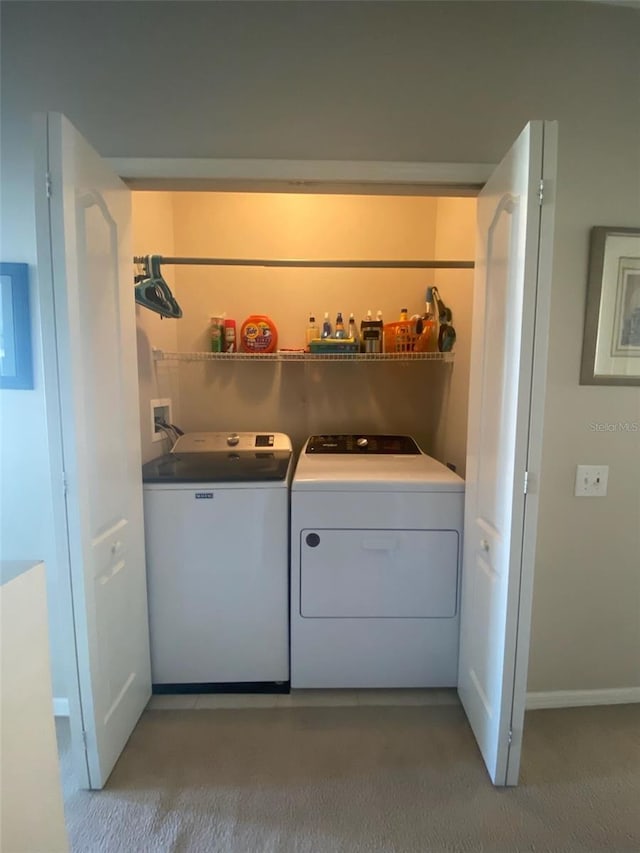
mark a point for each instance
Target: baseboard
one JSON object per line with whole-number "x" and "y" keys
{"x": 60, "y": 707}
{"x": 544, "y": 699}
{"x": 578, "y": 698}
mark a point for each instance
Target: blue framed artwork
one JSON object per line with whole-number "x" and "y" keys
{"x": 16, "y": 367}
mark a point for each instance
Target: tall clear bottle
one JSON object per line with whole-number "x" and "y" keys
{"x": 428, "y": 340}
{"x": 339, "y": 331}
{"x": 313, "y": 331}
{"x": 327, "y": 330}
{"x": 379, "y": 323}
{"x": 352, "y": 329}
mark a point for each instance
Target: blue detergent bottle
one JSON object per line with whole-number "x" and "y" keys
{"x": 327, "y": 330}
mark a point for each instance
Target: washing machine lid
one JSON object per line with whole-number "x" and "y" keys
{"x": 380, "y": 470}
{"x": 227, "y": 466}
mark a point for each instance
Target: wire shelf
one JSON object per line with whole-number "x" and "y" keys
{"x": 286, "y": 356}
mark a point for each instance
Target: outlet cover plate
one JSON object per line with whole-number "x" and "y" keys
{"x": 591, "y": 481}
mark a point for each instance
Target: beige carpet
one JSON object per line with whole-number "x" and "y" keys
{"x": 359, "y": 780}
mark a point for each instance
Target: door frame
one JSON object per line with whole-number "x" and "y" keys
{"x": 331, "y": 176}
{"x": 314, "y": 176}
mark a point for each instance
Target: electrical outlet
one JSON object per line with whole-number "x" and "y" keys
{"x": 591, "y": 481}
{"x": 160, "y": 409}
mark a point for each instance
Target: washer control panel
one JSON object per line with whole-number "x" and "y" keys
{"x": 211, "y": 442}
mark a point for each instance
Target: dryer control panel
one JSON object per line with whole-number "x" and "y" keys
{"x": 360, "y": 443}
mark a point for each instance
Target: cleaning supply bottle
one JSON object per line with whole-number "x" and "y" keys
{"x": 371, "y": 333}
{"x": 339, "y": 332}
{"x": 352, "y": 329}
{"x": 379, "y": 325}
{"x": 313, "y": 331}
{"x": 327, "y": 331}
{"x": 428, "y": 340}
{"x": 367, "y": 333}
{"x": 446, "y": 332}
{"x": 216, "y": 331}
{"x": 230, "y": 344}
{"x": 404, "y": 315}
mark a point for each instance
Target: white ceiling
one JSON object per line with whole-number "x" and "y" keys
{"x": 632, "y": 3}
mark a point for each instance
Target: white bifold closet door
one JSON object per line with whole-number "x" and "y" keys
{"x": 89, "y": 335}
{"x": 506, "y": 407}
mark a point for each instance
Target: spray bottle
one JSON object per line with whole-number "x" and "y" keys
{"x": 327, "y": 331}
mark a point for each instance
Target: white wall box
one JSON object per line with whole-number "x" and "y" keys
{"x": 160, "y": 410}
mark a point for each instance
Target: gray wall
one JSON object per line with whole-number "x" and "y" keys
{"x": 396, "y": 81}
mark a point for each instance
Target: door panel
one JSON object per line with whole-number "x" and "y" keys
{"x": 219, "y": 566}
{"x": 379, "y": 573}
{"x": 101, "y": 328}
{"x": 84, "y": 248}
{"x": 495, "y": 447}
{"x": 508, "y": 357}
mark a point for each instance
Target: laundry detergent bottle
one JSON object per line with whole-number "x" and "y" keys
{"x": 258, "y": 335}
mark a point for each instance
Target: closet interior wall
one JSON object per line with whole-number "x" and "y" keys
{"x": 153, "y": 226}
{"x": 427, "y": 400}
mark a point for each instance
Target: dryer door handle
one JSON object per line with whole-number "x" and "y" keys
{"x": 380, "y": 543}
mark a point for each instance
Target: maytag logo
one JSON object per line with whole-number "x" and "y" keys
{"x": 204, "y": 496}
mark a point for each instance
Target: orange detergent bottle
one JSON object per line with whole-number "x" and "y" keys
{"x": 258, "y": 334}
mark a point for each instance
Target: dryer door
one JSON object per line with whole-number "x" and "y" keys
{"x": 379, "y": 573}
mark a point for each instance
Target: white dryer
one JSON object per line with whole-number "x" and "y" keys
{"x": 216, "y": 513}
{"x": 376, "y": 558}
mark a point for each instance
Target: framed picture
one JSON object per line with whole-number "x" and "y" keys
{"x": 15, "y": 327}
{"x": 611, "y": 347}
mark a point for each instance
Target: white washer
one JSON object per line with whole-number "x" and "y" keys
{"x": 376, "y": 557}
{"x": 217, "y": 542}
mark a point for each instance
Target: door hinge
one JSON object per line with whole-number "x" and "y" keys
{"x": 47, "y": 184}
{"x": 510, "y": 736}
{"x": 65, "y": 484}
{"x": 84, "y": 739}
{"x": 540, "y": 192}
{"x": 526, "y": 482}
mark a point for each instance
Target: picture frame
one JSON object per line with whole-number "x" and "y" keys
{"x": 16, "y": 363}
{"x": 611, "y": 344}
